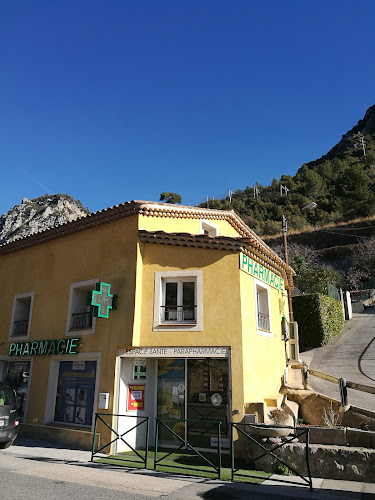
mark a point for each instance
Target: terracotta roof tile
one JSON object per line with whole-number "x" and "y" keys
{"x": 247, "y": 245}
{"x": 155, "y": 209}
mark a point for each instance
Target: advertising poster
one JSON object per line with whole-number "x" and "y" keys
{"x": 136, "y": 397}
{"x": 75, "y": 392}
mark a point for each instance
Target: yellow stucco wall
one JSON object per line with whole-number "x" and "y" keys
{"x": 221, "y": 303}
{"x": 112, "y": 253}
{"x": 107, "y": 252}
{"x": 184, "y": 225}
{"x": 264, "y": 359}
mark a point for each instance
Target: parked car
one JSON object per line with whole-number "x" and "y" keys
{"x": 9, "y": 423}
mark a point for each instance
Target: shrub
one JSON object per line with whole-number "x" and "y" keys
{"x": 319, "y": 318}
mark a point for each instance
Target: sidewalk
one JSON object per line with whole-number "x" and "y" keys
{"x": 53, "y": 461}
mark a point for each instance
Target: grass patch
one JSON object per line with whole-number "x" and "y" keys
{"x": 187, "y": 463}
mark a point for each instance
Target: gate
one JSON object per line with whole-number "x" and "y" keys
{"x": 168, "y": 425}
{"x": 144, "y": 421}
{"x": 264, "y": 451}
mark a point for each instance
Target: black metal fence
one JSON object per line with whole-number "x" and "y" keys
{"x": 254, "y": 434}
{"x": 179, "y": 436}
{"x": 176, "y": 435}
{"x": 100, "y": 420}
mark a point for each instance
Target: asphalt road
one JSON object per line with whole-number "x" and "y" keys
{"x": 36, "y": 470}
{"x": 350, "y": 355}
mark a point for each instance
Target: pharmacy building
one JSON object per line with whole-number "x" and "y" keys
{"x": 142, "y": 309}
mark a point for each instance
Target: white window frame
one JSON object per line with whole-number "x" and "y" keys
{"x": 17, "y": 297}
{"x": 49, "y": 413}
{"x": 265, "y": 289}
{"x": 160, "y": 278}
{"x": 85, "y": 331}
{"x": 210, "y": 227}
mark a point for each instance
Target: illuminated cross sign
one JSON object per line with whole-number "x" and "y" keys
{"x": 103, "y": 300}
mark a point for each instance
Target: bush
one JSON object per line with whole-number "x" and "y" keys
{"x": 319, "y": 318}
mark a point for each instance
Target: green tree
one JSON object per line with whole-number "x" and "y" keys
{"x": 170, "y": 197}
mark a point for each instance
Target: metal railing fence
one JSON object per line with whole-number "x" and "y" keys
{"x": 297, "y": 432}
{"x": 121, "y": 437}
{"x": 185, "y": 444}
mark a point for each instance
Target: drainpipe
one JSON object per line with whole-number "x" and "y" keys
{"x": 284, "y": 228}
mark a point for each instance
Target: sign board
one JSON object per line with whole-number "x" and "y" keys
{"x": 102, "y": 300}
{"x": 261, "y": 272}
{"x": 224, "y": 442}
{"x": 136, "y": 397}
{"x": 44, "y": 347}
{"x": 176, "y": 352}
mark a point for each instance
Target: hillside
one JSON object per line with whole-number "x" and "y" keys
{"x": 39, "y": 214}
{"x": 342, "y": 183}
{"x": 334, "y": 244}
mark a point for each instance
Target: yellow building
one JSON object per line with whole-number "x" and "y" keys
{"x": 142, "y": 309}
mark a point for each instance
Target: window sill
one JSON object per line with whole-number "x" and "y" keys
{"x": 182, "y": 327}
{"x": 265, "y": 331}
{"x": 176, "y": 323}
{"x": 79, "y": 331}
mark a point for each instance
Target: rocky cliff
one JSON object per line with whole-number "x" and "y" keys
{"x": 39, "y": 214}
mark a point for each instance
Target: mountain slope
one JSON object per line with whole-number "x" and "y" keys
{"x": 342, "y": 183}
{"x": 32, "y": 216}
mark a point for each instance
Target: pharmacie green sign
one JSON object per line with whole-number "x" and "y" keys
{"x": 260, "y": 272}
{"x": 102, "y": 300}
{"x": 44, "y": 347}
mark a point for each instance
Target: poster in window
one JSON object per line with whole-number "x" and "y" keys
{"x": 70, "y": 396}
{"x": 80, "y": 415}
{"x": 75, "y": 392}
{"x": 136, "y": 397}
{"x": 68, "y": 414}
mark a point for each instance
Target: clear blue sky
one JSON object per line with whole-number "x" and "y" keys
{"x": 115, "y": 100}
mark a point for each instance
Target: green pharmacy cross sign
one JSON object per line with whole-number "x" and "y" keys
{"x": 102, "y": 300}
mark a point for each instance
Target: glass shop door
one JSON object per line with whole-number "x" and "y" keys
{"x": 171, "y": 399}
{"x": 207, "y": 399}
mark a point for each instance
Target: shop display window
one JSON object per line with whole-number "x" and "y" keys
{"x": 75, "y": 392}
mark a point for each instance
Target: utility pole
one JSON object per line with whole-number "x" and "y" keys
{"x": 361, "y": 142}
{"x": 284, "y": 229}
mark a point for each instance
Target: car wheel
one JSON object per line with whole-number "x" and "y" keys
{"x": 3, "y": 446}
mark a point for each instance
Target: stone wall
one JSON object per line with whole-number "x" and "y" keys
{"x": 326, "y": 461}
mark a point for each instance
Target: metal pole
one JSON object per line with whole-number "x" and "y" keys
{"x": 94, "y": 439}
{"x": 156, "y": 443}
{"x": 284, "y": 228}
{"x": 219, "y": 449}
{"x": 232, "y": 449}
{"x": 147, "y": 436}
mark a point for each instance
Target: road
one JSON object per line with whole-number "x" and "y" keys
{"x": 350, "y": 355}
{"x": 36, "y": 470}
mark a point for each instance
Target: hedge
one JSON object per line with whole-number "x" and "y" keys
{"x": 319, "y": 318}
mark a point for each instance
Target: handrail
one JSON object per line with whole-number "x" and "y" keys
{"x": 350, "y": 385}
